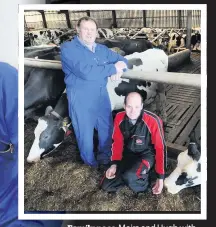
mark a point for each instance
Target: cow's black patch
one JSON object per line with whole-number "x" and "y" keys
{"x": 198, "y": 167}
{"x": 173, "y": 37}
{"x": 182, "y": 179}
{"x": 41, "y": 32}
{"x": 189, "y": 184}
{"x": 148, "y": 84}
{"x": 124, "y": 88}
{"x": 49, "y": 33}
{"x": 134, "y": 61}
{"x": 193, "y": 151}
{"x": 53, "y": 134}
{"x": 104, "y": 31}
{"x": 35, "y": 36}
{"x": 178, "y": 41}
{"x": 191, "y": 181}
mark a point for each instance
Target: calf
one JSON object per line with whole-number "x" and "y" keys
{"x": 188, "y": 170}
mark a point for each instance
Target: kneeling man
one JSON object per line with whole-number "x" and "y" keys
{"x": 138, "y": 145}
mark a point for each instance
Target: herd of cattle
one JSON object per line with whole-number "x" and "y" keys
{"x": 168, "y": 40}
{"x": 46, "y": 102}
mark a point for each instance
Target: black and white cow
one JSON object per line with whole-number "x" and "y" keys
{"x": 188, "y": 170}
{"x": 105, "y": 33}
{"x": 176, "y": 40}
{"x": 150, "y": 60}
{"x": 44, "y": 36}
{"x": 179, "y": 40}
{"x": 195, "y": 41}
{"x": 51, "y": 130}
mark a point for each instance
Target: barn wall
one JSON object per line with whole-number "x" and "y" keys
{"x": 124, "y": 18}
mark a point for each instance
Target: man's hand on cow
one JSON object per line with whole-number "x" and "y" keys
{"x": 158, "y": 187}
{"x": 120, "y": 65}
{"x": 110, "y": 173}
{"x": 116, "y": 76}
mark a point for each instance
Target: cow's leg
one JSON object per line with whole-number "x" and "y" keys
{"x": 104, "y": 126}
{"x": 82, "y": 114}
{"x": 136, "y": 175}
{"x": 170, "y": 181}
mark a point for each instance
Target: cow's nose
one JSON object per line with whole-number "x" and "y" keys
{"x": 29, "y": 160}
{"x": 32, "y": 160}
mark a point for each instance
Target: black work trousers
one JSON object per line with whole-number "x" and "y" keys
{"x": 132, "y": 171}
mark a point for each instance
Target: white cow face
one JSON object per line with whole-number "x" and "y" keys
{"x": 49, "y": 134}
{"x": 188, "y": 171}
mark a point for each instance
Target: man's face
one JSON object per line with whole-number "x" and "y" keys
{"x": 133, "y": 106}
{"x": 87, "y": 32}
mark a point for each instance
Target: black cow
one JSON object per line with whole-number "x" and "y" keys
{"x": 129, "y": 46}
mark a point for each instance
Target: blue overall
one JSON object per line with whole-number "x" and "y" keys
{"x": 8, "y": 159}
{"x": 86, "y": 74}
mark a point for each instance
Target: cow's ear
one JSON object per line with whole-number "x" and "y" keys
{"x": 48, "y": 110}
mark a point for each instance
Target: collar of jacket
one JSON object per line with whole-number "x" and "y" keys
{"x": 80, "y": 43}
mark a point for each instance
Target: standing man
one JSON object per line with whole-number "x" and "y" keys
{"x": 138, "y": 145}
{"x": 87, "y": 66}
{"x": 9, "y": 152}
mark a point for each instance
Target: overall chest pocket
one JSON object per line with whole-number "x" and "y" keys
{"x": 136, "y": 143}
{"x": 101, "y": 60}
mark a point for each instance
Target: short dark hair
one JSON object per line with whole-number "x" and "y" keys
{"x": 125, "y": 99}
{"x": 86, "y": 19}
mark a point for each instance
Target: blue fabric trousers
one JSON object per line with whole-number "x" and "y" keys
{"x": 89, "y": 109}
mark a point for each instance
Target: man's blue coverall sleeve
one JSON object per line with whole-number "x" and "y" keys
{"x": 115, "y": 57}
{"x": 10, "y": 103}
{"x": 86, "y": 71}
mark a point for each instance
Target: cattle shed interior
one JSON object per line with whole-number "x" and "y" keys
{"x": 61, "y": 181}
{"x": 112, "y": 18}
{"x": 183, "y": 103}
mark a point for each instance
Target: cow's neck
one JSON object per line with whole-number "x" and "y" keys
{"x": 62, "y": 106}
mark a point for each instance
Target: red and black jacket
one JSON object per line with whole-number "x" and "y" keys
{"x": 145, "y": 136}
